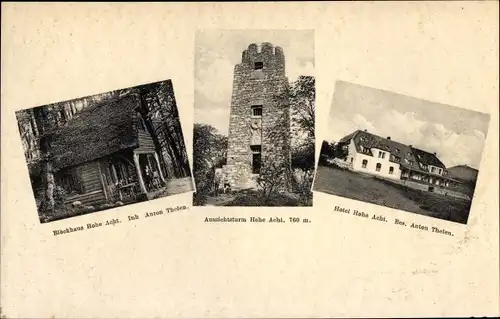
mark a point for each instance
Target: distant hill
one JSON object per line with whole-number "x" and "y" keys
{"x": 468, "y": 177}
{"x": 464, "y": 173}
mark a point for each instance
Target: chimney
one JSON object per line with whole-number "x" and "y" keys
{"x": 366, "y": 130}
{"x": 388, "y": 137}
{"x": 435, "y": 153}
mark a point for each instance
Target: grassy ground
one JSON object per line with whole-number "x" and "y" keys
{"x": 254, "y": 198}
{"x": 367, "y": 189}
{"x": 174, "y": 186}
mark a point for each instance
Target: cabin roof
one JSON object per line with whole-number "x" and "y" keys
{"x": 96, "y": 131}
{"x": 410, "y": 156}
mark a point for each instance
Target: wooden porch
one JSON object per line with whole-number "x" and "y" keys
{"x": 121, "y": 177}
{"x": 424, "y": 178}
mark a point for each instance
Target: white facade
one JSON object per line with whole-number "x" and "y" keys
{"x": 378, "y": 164}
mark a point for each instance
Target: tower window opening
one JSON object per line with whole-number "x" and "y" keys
{"x": 257, "y": 110}
{"x": 256, "y": 159}
{"x": 258, "y": 65}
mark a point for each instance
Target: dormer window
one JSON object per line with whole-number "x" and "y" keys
{"x": 257, "y": 110}
{"x": 365, "y": 150}
{"x": 258, "y": 65}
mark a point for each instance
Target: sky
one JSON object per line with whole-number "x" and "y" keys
{"x": 457, "y": 135}
{"x": 218, "y": 51}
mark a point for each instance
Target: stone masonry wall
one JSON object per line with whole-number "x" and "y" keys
{"x": 266, "y": 87}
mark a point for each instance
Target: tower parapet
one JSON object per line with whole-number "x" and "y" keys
{"x": 271, "y": 57}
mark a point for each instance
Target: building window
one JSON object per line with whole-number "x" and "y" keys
{"x": 256, "y": 158}
{"x": 257, "y": 110}
{"x": 378, "y": 167}
{"x": 381, "y": 155}
{"x": 258, "y": 65}
{"x": 365, "y": 162}
{"x": 397, "y": 150}
{"x": 391, "y": 170}
{"x": 397, "y": 159}
{"x": 352, "y": 159}
{"x": 71, "y": 183}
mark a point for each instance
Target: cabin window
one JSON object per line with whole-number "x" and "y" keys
{"x": 71, "y": 183}
{"x": 378, "y": 167}
{"x": 258, "y": 65}
{"x": 391, "y": 170}
{"x": 256, "y": 158}
{"x": 364, "y": 163}
{"x": 257, "y": 110}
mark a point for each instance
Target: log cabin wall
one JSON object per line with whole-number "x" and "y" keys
{"x": 90, "y": 179}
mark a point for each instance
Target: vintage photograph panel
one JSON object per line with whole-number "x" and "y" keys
{"x": 107, "y": 150}
{"x": 254, "y": 136}
{"x": 401, "y": 152}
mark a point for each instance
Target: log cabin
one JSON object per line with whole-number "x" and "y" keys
{"x": 106, "y": 154}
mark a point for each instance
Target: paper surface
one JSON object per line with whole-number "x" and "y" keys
{"x": 180, "y": 266}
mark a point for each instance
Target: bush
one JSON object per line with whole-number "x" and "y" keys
{"x": 199, "y": 198}
{"x": 255, "y": 199}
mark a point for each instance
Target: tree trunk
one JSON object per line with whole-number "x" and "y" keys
{"x": 149, "y": 125}
{"x": 177, "y": 134}
{"x": 47, "y": 176}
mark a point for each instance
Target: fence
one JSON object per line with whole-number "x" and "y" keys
{"x": 430, "y": 188}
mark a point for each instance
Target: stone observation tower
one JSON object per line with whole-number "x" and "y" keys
{"x": 259, "y": 123}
